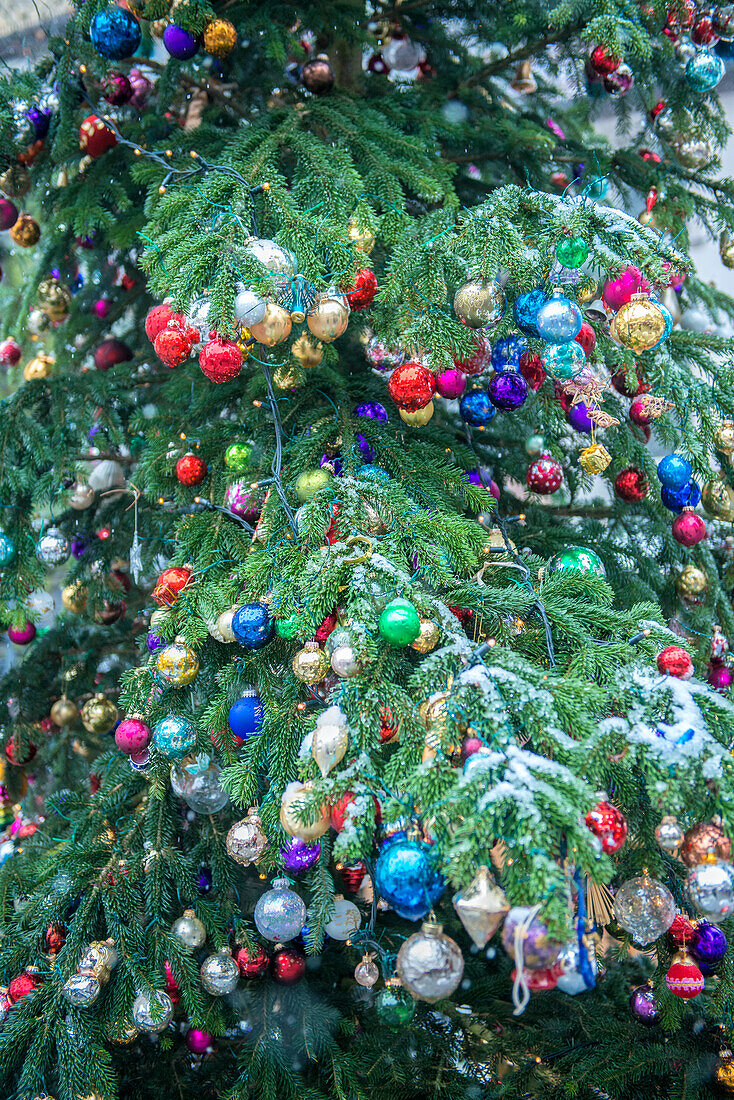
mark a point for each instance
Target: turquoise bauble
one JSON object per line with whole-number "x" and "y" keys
{"x": 668, "y": 321}
{"x": 577, "y": 559}
{"x": 399, "y": 623}
{"x": 704, "y": 71}
{"x": 7, "y": 550}
{"x": 407, "y": 878}
{"x": 174, "y": 736}
{"x": 252, "y": 625}
{"x": 370, "y": 472}
{"x": 564, "y": 361}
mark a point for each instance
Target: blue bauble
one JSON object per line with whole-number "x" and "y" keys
{"x": 476, "y": 408}
{"x": 507, "y": 351}
{"x": 253, "y": 625}
{"x": 115, "y": 33}
{"x": 678, "y": 499}
{"x": 407, "y": 878}
{"x": 559, "y": 320}
{"x": 668, "y": 321}
{"x": 597, "y": 189}
{"x": 7, "y": 550}
{"x": 674, "y": 471}
{"x": 564, "y": 361}
{"x": 174, "y": 736}
{"x": 704, "y": 71}
{"x": 525, "y": 310}
{"x": 370, "y": 472}
{"x": 246, "y": 714}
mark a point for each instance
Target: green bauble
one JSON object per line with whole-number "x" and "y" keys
{"x": 237, "y": 456}
{"x": 535, "y": 445}
{"x": 289, "y": 628}
{"x": 572, "y": 251}
{"x": 394, "y": 1005}
{"x": 577, "y": 559}
{"x": 399, "y": 623}
{"x": 309, "y": 483}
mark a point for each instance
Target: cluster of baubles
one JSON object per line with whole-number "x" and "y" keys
{"x": 680, "y": 493}
{"x": 116, "y": 35}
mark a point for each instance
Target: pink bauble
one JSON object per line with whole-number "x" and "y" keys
{"x": 470, "y": 745}
{"x": 132, "y": 735}
{"x": 720, "y": 677}
{"x": 102, "y": 308}
{"x": 22, "y": 635}
{"x": 688, "y": 529}
{"x": 243, "y": 501}
{"x": 10, "y": 353}
{"x": 619, "y": 290}
{"x": 450, "y": 383}
{"x": 197, "y": 1041}
{"x": 638, "y": 412}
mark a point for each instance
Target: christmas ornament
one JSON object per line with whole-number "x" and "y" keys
{"x": 674, "y": 471}
{"x": 572, "y": 251}
{"x": 586, "y": 337}
{"x": 688, "y": 528}
{"x": 99, "y": 715}
{"x": 559, "y": 319}
{"x": 394, "y": 1006}
{"x": 174, "y": 736}
{"x": 564, "y": 361}
{"x": 450, "y": 384}
{"x": 81, "y": 497}
{"x": 274, "y": 258}
{"x": 220, "y": 38}
{"x": 363, "y": 290}
{"x": 26, "y": 231}
{"x": 307, "y": 351}
{"x": 238, "y": 456}
{"x": 289, "y": 966}
{"x": 152, "y": 1011}
{"x": 64, "y": 712}
{"x": 220, "y": 360}
{"x": 708, "y": 945}
{"x": 507, "y": 391}
{"x": 720, "y": 677}
{"x": 189, "y": 931}
{"x": 609, "y": 824}
{"x": 577, "y": 559}
{"x": 366, "y": 972}
{"x": 177, "y": 664}
{"x": 407, "y": 878}
{"x": 717, "y": 498}
{"x": 675, "y": 661}
{"x": 329, "y": 741}
{"x": 684, "y": 978}
{"x": 419, "y": 418}
{"x": 198, "y": 1042}
{"x": 170, "y": 584}
{"x": 23, "y": 984}
{"x": 428, "y": 637}
{"x": 249, "y": 307}
{"x": 246, "y": 840}
{"x": 38, "y": 368}
{"x": 317, "y": 75}
{"x": 349, "y": 805}
{"x": 280, "y": 913}
{"x": 344, "y": 661}
{"x": 603, "y": 62}
{"x": 220, "y": 973}
{"x": 191, "y": 470}
{"x": 275, "y": 326}
{"x": 572, "y": 979}
{"x": 681, "y": 931}
{"x": 526, "y": 934}
{"x": 643, "y": 1005}
{"x": 311, "y": 482}
{"x": 644, "y": 908}
{"x": 199, "y": 783}
{"x": 53, "y": 547}
{"x": 179, "y": 43}
{"x": 726, "y": 246}
{"x": 360, "y": 236}
{"x": 678, "y": 499}
{"x": 481, "y": 907}
{"x": 7, "y": 550}
{"x": 54, "y": 299}
{"x": 479, "y": 304}
{"x": 430, "y": 964}
{"x": 132, "y": 734}
{"x": 253, "y": 962}
{"x": 399, "y": 623}
{"x": 252, "y": 625}
{"x": 22, "y": 635}
{"x": 10, "y": 351}
{"x": 411, "y": 386}
{"x": 544, "y": 475}
{"x": 704, "y": 71}
{"x": 310, "y": 664}
{"x": 344, "y": 921}
{"x": 243, "y": 500}
{"x": 299, "y": 857}
{"x": 710, "y": 887}
{"x": 117, "y": 89}
{"x": 74, "y": 597}
{"x": 298, "y": 814}
{"x": 723, "y": 1076}
{"x": 631, "y": 485}
{"x": 476, "y": 409}
{"x": 246, "y": 714}
{"x": 115, "y": 33}
{"x": 95, "y": 138}
{"x": 639, "y": 325}
{"x": 8, "y": 218}
{"x": 669, "y": 834}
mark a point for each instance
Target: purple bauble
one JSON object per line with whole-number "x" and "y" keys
{"x": 197, "y": 1041}
{"x": 154, "y": 642}
{"x": 141, "y": 88}
{"x": 483, "y": 477}
{"x": 578, "y": 418}
{"x": 78, "y": 545}
{"x": 643, "y": 1005}
{"x": 451, "y": 383}
{"x": 40, "y": 120}
{"x": 179, "y": 43}
{"x": 365, "y": 449}
{"x": 720, "y": 677}
{"x": 243, "y": 501}
{"x": 507, "y": 390}
{"x": 102, "y": 308}
{"x": 539, "y": 950}
{"x": 708, "y": 945}
{"x": 372, "y": 409}
{"x": 333, "y": 463}
{"x": 8, "y": 214}
{"x": 298, "y": 856}
{"x": 204, "y": 881}
{"x": 22, "y": 635}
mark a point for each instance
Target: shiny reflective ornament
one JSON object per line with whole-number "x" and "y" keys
{"x": 669, "y": 834}
{"x": 726, "y": 248}
{"x": 280, "y": 913}
{"x": 310, "y": 664}
{"x": 545, "y": 475}
{"x": 430, "y": 964}
{"x": 572, "y": 980}
{"x": 39, "y": 367}
{"x": 26, "y": 232}
{"x": 399, "y": 624}
{"x": 691, "y": 583}
{"x": 607, "y": 823}
{"x": 277, "y": 260}
{"x": 15, "y": 181}
{"x": 99, "y": 715}
{"x": 237, "y": 457}
{"x": 177, "y": 664}
{"x": 74, "y": 597}
{"x": 479, "y": 303}
{"x": 54, "y": 299}
{"x": 246, "y": 840}
{"x": 564, "y": 362}
{"x": 199, "y": 783}
{"x": 407, "y": 878}
{"x": 559, "y": 320}
{"x": 307, "y": 351}
{"x": 246, "y": 713}
{"x": 675, "y": 472}
{"x": 53, "y": 547}
{"x": 275, "y": 326}
{"x": 152, "y": 1011}
{"x": 329, "y": 319}
{"x": 220, "y": 973}
{"x": 577, "y": 559}
{"x": 297, "y": 807}
{"x": 311, "y": 482}
{"x": 704, "y": 71}
{"x": 419, "y": 417}
{"x": 366, "y": 972}
{"x": 252, "y": 625}
{"x": 724, "y": 1073}
{"x": 220, "y": 38}
{"x": 717, "y": 497}
{"x": 644, "y": 1006}
{"x": 115, "y": 33}
{"x": 344, "y": 921}
{"x": 708, "y": 945}
{"x": 329, "y": 743}
{"x": 81, "y": 497}
{"x": 710, "y": 887}
{"x": 174, "y": 736}
{"x": 345, "y": 663}
{"x": 639, "y": 325}
{"x": 394, "y": 1006}
{"x": 65, "y": 712}
{"x": 700, "y": 841}
{"x": 572, "y": 251}
{"x": 692, "y": 153}
{"x": 81, "y": 990}
{"x": 298, "y": 856}
{"x": 428, "y": 637}
{"x": 476, "y": 409}
{"x": 507, "y": 390}
{"x": 7, "y": 550}
{"x": 724, "y": 437}
{"x": 644, "y": 908}
{"x": 360, "y": 236}
{"x": 189, "y": 931}
{"x": 481, "y": 907}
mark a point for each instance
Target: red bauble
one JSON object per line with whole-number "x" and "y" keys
{"x": 675, "y": 661}
{"x": 703, "y": 31}
{"x": 20, "y": 754}
{"x": 340, "y": 808}
{"x": 10, "y": 353}
{"x": 684, "y": 979}
{"x": 638, "y": 413}
{"x": 586, "y": 337}
{"x": 603, "y": 61}
{"x": 111, "y": 352}
{"x": 388, "y": 725}
{"x": 55, "y": 937}
{"x": 720, "y": 676}
{"x": 289, "y": 966}
{"x": 681, "y": 931}
{"x": 621, "y": 385}
{"x": 220, "y": 360}
{"x": 562, "y": 397}
{"x": 364, "y": 290}
{"x": 531, "y": 368}
{"x": 479, "y": 360}
{"x": 688, "y": 528}
{"x": 23, "y": 985}
{"x": 121, "y": 579}
{"x": 332, "y": 532}
{"x": 252, "y": 963}
{"x": 353, "y": 876}
{"x": 545, "y": 475}
{"x": 609, "y": 824}
{"x": 631, "y": 485}
{"x": 172, "y": 988}
{"x": 172, "y": 346}
{"x": 412, "y": 386}
{"x": 157, "y": 319}
{"x": 191, "y": 470}
{"x": 95, "y": 138}
{"x": 169, "y": 585}
{"x": 540, "y": 981}
{"x": 463, "y": 614}
{"x": 326, "y": 627}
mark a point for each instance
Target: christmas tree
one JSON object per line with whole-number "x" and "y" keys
{"x": 366, "y": 720}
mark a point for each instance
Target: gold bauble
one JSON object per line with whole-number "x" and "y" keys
{"x": 289, "y": 376}
{"x": 220, "y": 37}
{"x": 724, "y": 1073}
{"x": 717, "y": 498}
{"x": 275, "y": 326}
{"x": 594, "y": 458}
{"x": 418, "y": 418}
{"x": 74, "y": 597}
{"x": 39, "y": 367}
{"x": 64, "y": 712}
{"x": 428, "y": 637}
{"x": 639, "y": 325}
{"x": 360, "y": 236}
{"x": 587, "y": 290}
{"x": 54, "y": 299}
{"x": 122, "y": 1032}
{"x": 494, "y": 548}
{"x": 329, "y": 743}
{"x": 310, "y": 664}
{"x": 246, "y": 840}
{"x": 726, "y": 249}
{"x": 691, "y": 582}
{"x": 433, "y": 712}
{"x": 26, "y": 232}
{"x": 328, "y": 320}
{"x": 99, "y": 714}
{"x": 724, "y": 437}
{"x": 307, "y": 351}
{"x": 15, "y": 181}
{"x": 177, "y": 664}
{"x": 293, "y": 801}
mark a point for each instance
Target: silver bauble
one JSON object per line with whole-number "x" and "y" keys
{"x": 152, "y": 1011}
{"x": 692, "y": 153}
{"x": 644, "y": 908}
{"x": 81, "y": 496}
{"x": 189, "y": 930}
{"x": 429, "y": 964}
{"x": 710, "y": 887}
{"x": 277, "y": 260}
{"x": 249, "y": 307}
{"x": 280, "y": 913}
{"x": 220, "y": 973}
{"x": 685, "y": 50}
{"x": 224, "y": 625}
{"x": 107, "y": 475}
{"x": 198, "y": 782}
{"x": 571, "y": 981}
{"x": 344, "y": 662}
{"x": 53, "y": 547}
{"x": 81, "y": 990}
{"x": 669, "y": 834}
{"x": 246, "y": 840}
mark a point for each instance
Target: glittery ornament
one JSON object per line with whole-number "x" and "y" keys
{"x": 363, "y": 290}
{"x": 604, "y": 62}
{"x": 411, "y": 386}
{"x": 564, "y": 362}
{"x": 609, "y": 824}
{"x": 220, "y": 360}
{"x": 684, "y": 978}
{"x": 280, "y": 913}
{"x": 220, "y": 38}
{"x": 723, "y": 1076}
{"x": 115, "y": 33}
{"x": 479, "y": 304}
{"x": 643, "y": 1005}
{"x": 220, "y": 973}
{"x": 298, "y": 856}
{"x": 252, "y": 625}
{"x": 174, "y": 736}
{"x": 631, "y": 485}
{"x": 300, "y": 815}
{"x": 189, "y": 931}
{"x": 688, "y": 528}
{"x": 99, "y": 715}
{"x": 191, "y": 469}
{"x": 481, "y": 907}
{"x": 152, "y": 1011}
{"x": 177, "y": 664}
{"x": 544, "y": 475}
{"x": 132, "y": 735}
{"x": 246, "y": 840}
{"x": 238, "y": 456}
{"x": 10, "y": 351}
{"x": 669, "y": 834}
{"x": 54, "y": 299}
{"x": 310, "y": 664}
{"x": 644, "y": 908}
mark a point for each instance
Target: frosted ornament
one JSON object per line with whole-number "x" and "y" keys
{"x": 345, "y": 920}
{"x": 280, "y": 913}
{"x": 430, "y": 964}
